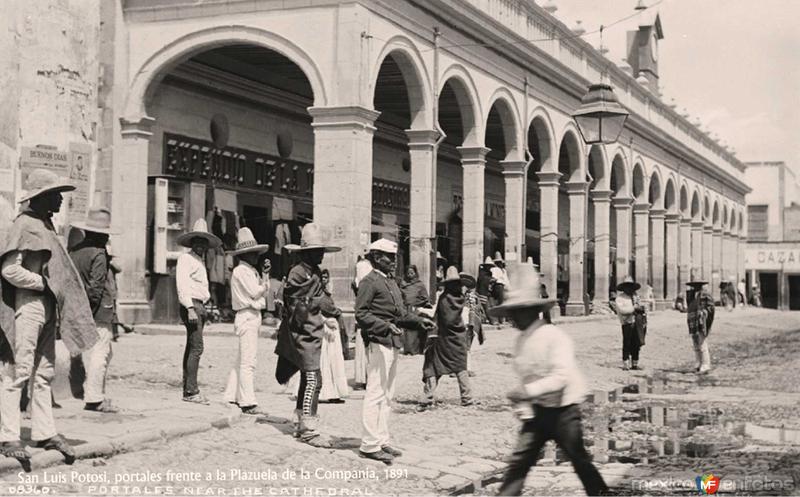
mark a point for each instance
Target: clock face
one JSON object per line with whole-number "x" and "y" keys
{"x": 654, "y": 48}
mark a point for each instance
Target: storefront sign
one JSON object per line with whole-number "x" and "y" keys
{"x": 775, "y": 259}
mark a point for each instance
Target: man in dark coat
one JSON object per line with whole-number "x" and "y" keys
{"x": 302, "y": 331}
{"x": 42, "y": 293}
{"x": 415, "y": 296}
{"x": 381, "y": 314}
{"x": 92, "y": 262}
{"x": 447, "y": 354}
{"x": 699, "y": 318}
{"x": 484, "y": 287}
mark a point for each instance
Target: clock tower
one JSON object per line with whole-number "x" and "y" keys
{"x": 643, "y": 50}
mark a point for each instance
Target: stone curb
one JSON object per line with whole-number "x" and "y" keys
{"x": 152, "y": 330}
{"x": 129, "y": 442}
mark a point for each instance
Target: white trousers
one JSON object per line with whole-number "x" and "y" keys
{"x": 381, "y": 373}
{"x": 95, "y": 362}
{"x": 701, "y": 352}
{"x": 240, "y": 387}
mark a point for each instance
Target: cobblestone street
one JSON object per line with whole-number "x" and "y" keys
{"x": 742, "y": 420}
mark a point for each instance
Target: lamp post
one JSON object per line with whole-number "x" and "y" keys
{"x": 600, "y": 118}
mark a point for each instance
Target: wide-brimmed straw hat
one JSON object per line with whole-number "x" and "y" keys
{"x": 199, "y": 230}
{"x": 311, "y": 239}
{"x": 526, "y": 291}
{"x": 488, "y": 262}
{"x": 628, "y": 284}
{"x": 383, "y": 245}
{"x": 246, "y": 243}
{"x": 498, "y": 257}
{"x": 451, "y": 275}
{"x": 42, "y": 181}
{"x": 98, "y": 220}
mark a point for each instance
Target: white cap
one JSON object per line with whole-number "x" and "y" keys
{"x": 384, "y": 245}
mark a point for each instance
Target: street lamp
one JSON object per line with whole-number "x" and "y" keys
{"x": 600, "y": 117}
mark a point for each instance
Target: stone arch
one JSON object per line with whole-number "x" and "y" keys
{"x": 173, "y": 53}
{"x": 715, "y": 216}
{"x": 415, "y": 76}
{"x": 670, "y": 196}
{"x": 542, "y": 126}
{"x": 618, "y": 176}
{"x": 707, "y": 208}
{"x": 596, "y": 167}
{"x": 572, "y": 146}
{"x": 656, "y": 193}
{"x": 639, "y": 182}
{"x": 696, "y": 211}
{"x": 725, "y": 221}
{"x": 509, "y": 116}
{"x": 467, "y": 96}
{"x": 684, "y": 200}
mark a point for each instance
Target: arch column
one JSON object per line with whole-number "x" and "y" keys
{"x": 672, "y": 221}
{"x": 343, "y": 187}
{"x": 685, "y": 252}
{"x": 622, "y": 209}
{"x": 129, "y": 215}
{"x": 742, "y": 244}
{"x": 727, "y": 255}
{"x": 577, "y": 247}
{"x": 716, "y": 261}
{"x": 514, "y": 175}
{"x": 473, "y": 161}
{"x": 422, "y": 149}
{"x": 641, "y": 243}
{"x": 548, "y": 186}
{"x": 708, "y": 251}
{"x": 696, "y": 265}
{"x": 657, "y": 250}
{"x": 602, "y": 244}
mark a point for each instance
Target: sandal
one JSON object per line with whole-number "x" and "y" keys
{"x": 105, "y": 406}
{"x": 59, "y": 443}
{"x": 15, "y": 450}
{"x": 197, "y": 399}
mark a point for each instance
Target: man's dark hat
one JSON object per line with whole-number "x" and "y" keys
{"x": 628, "y": 284}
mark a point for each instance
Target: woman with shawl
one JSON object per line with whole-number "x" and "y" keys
{"x": 417, "y": 301}
{"x": 334, "y": 378}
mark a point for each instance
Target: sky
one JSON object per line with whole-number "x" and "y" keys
{"x": 734, "y": 64}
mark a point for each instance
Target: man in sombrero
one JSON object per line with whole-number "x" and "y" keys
{"x": 551, "y": 386}
{"x": 248, "y": 297}
{"x": 700, "y": 317}
{"x": 93, "y": 263}
{"x": 191, "y": 278}
{"x": 628, "y": 304}
{"x": 302, "y": 330}
{"x": 42, "y": 293}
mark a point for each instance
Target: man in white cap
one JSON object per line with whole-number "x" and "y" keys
{"x": 93, "y": 263}
{"x": 551, "y": 386}
{"x": 42, "y": 293}
{"x": 380, "y": 314}
{"x": 191, "y": 278}
{"x": 248, "y": 298}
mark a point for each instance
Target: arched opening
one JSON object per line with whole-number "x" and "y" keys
{"x": 715, "y": 215}
{"x": 684, "y": 206}
{"x": 540, "y": 149}
{"x": 232, "y": 143}
{"x": 569, "y": 165}
{"x": 501, "y": 141}
{"x": 457, "y": 120}
{"x": 670, "y": 245}
{"x": 696, "y": 213}
{"x": 670, "y": 204}
{"x": 398, "y": 98}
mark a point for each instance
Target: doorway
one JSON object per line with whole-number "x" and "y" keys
{"x": 769, "y": 289}
{"x": 794, "y": 292}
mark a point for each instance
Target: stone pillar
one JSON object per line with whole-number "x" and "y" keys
{"x": 343, "y": 188}
{"x": 129, "y": 217}
{"x": 685, "y": 252}
{"x": 696, "y": 267}
{"x": 657, "y": 249}
{"x": 577, "y": 247}
{"x": 708, "y": 251}
{"x": 514, "y": 174}
{"x": 548, "y": 186}
{"x": 716, "y": 262}
{"x": 622, "y": 208}
{"x": 727, "y": 256}
{"x": 602, "y": 243}
{"x": 672, "y": 221}
{"x": 422, "y": 149}
{"x": 473, "y": 161}
{"x": 740, "y": 256}
{"x": 641, "y": 242}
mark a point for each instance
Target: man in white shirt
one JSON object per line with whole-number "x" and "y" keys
{"x": 248, "y": 298}
{"x": 191, "y": 278}
{"x": 551, "y": 386}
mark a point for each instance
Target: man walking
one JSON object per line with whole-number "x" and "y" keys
{"x": 628, "y": 304}
{"x": 700, "y": 317}
{"x": 302, "y": 331}
{"x": 380, "y": 314}
{"x": 191, "y": 279}
{"x": 92, "y": 262}
{"x": 550, "y": 385}
{"x": 42, "y": 293}
{"x": 248, "y": 298}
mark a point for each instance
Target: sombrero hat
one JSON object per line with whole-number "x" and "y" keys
{"x": 41, "y": 181}
{"x": 498, "y": 257}
{"x": 98, "y": 220}
{"x": 383, "y": 245}
{"x": 526, "y": 291}
{"x": 488, "y": 262}
{"x": 450, "y": 276}
{"x": 468, "y": 280}
{"x": 246, "y": 242}
{"x": 199, "y": 230}
{"x": 628, "y": 283}
{"x": 311, "y": 239}
{"x": 697, "y": 284}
